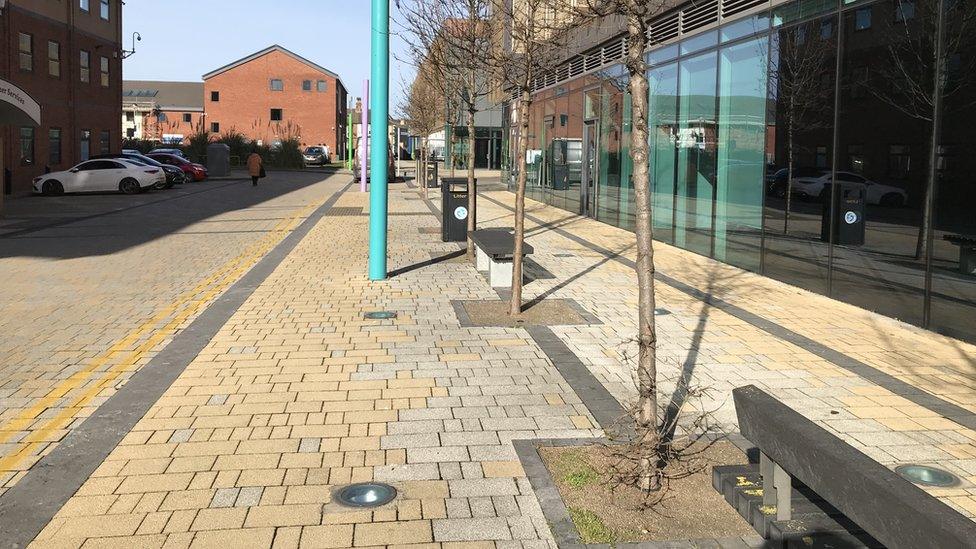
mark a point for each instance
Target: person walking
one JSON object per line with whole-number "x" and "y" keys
{"x": 255, "y": 167}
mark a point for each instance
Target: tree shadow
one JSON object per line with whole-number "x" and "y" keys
{"x": 606, "y": 259}
{"x": 432, "y": 261}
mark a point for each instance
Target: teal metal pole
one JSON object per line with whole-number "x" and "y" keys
{"x": 379, "y": 153}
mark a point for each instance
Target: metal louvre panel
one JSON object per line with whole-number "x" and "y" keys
{"x": 696, "y": 17}
{"x": 732, "y": 7}
{"x": 664, "y": 29}
{"x": 576, "y": 67}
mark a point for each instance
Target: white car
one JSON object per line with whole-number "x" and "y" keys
{"x": 877, "y": 193}
{"x": 99, "y": 176}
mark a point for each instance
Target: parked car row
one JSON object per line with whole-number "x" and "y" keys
{"x": 128, "y": 172}
{"x": 811, "y": 183}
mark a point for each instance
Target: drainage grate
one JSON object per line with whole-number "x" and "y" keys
{"x": 345, "y": 211}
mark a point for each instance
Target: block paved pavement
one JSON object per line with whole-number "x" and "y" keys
{"x": 298, "y": 394}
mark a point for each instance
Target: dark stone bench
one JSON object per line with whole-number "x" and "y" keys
{"x": 877, "y": 500}
{"x": 495, "y": 249}
{"x": 967, "y": 251}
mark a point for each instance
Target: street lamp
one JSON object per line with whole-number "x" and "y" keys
{"x": 136, "y": 37}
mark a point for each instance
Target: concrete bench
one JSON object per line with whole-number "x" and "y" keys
{"x": 967, "y": 251}
{"x": 882, "y": 503}
{"x": 494, "y": 252}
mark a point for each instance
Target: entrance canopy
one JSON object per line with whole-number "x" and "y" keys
{"x": 17, "y": 108}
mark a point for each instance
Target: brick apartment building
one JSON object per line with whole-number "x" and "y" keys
{"x": 161, "y": 111}
{"x": 274, "y": 94}
{"x": 66, "y": 54}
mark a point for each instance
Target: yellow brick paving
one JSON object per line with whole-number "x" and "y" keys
{"x": 297, "y": 394}
{"x": 60, "y": 361}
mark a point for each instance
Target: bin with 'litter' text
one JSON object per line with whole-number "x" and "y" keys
{"x": 454, "y": 208}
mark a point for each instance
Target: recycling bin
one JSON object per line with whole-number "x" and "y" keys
{"x": 849, "y": 200}
{"x": 454, "y": 208}
{"x": 431, "y": 175}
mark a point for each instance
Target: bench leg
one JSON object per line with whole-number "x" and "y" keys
{"x": 500, "y": 274}
{"x": 481, "y": 259}
{"x": 777, "y": 487}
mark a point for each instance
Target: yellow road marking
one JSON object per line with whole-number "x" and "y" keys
{"x": 242, "y": 262}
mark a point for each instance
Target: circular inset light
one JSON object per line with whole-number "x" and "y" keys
{"x": 927, "y": 476}
{"x": 380, "y": 315}
{"x": 366, "y": 494}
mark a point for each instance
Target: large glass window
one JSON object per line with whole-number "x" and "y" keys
{"x": 26, "y": 145}
{"x": 54, "y": 58}
{"x": 663, "y": 130}
{"x": 54, "y": 146}
{"x": 84, "y": 66}
{"x": 741, "y": 153}
{"x": 877, "y": 262}
{"x": 104, "y": 71}
{"x": 25, "y": 45}
{"x": 799, "y": 128}
{"x": 697, "y": 153}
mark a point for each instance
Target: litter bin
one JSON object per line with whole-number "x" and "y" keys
{"x": 849, "y": 200}
{"x": 431, "y": 174}
{"x": 218, "y": 159}
{"x": 454, "y": 208}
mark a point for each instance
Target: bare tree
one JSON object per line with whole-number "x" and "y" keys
{"x": 423, "y": 111}
{"x": 924, "y": 38}
{"x": 796, "y": 68}
{"x": 527, "y": 47}
{"x": 650, "y": 439}
{"x": 449, "y": 41}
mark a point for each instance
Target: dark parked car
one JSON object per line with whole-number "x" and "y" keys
{"x": 315, "y": 156}
{"x": 193, "y": 171}
{"x": 174, "y": 175}
{"x": 177, "y": 152}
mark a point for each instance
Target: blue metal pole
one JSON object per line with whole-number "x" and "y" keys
{"x": 379, "y": 120}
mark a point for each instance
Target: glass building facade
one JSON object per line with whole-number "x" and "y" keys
{"x": 809, "y": 141}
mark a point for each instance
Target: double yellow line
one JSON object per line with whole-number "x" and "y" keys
{"x": 150, "y": 333}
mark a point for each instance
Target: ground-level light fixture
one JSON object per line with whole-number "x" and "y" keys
{"x": 365, "y": 494}
{"x": 926, "y": 475}
{"x": 380, "y": 315}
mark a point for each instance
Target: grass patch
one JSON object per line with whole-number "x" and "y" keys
{"x": 574, "y": 471}
{"x": 591, "y": 527}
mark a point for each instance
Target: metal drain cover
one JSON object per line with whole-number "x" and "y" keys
{"x": 366, "y": 494}
{"x": 927, "y": 476}
{"x": 380, "y": 315}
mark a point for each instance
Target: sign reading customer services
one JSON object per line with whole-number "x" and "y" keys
{"x": 17, "y": 108}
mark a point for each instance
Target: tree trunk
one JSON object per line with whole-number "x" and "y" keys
{"x": 646, "y": 421}
{"x": 523, "y": 136}
{"x": 472, "y": 192}
{"x": 422, "y": 172}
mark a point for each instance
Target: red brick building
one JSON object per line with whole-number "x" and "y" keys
{"x": 275, "y": 94}
{"x": 67, "y": 55}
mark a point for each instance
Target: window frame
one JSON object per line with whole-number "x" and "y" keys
{"x": 104, "y": 69}
{"x": 31, "y": 148}
{"x": 215, "y": 96}
{"x": 104, "y": 142}
{"x": 306, "y": 85}
{"x": 84, "y": 66}
{"x": 188, "y": 118}
{"x": 215, "y": 127}
{"x": 54, "y": 61}
{"x": 281, "y": 115}
{"x": 865, "y": 10}
{"x": 281, "y": 84}
{"x": 84, "y": 5}
{"x": 105, "y": 10}
{"x": 321, "y": 86}
{"x": 54, "y": 137}
{"x": 29, "y": 52}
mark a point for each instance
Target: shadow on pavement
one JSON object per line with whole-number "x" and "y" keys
{"x": 74, "y": 226}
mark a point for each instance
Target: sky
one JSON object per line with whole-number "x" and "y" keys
{"x": 184, "y": 39}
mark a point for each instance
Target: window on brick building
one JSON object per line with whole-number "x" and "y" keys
{"x": 85, "y": 66}
{"x": 54, "y": 146}
{"x": 84, "y": 5}
{"x": 321, "y": 85}
{"x": 215, "y": 127}
{"x": 306, "y": 85}
{"x": 130, "y": 116}
{"x": 277, "y": 84}
{"x": 85, "y": 144}
{"x": 130, "y": 133}
{"x": 104, "y": 142}
{"x": 103, "y": 9}
{"x": 54, "y": 58}
{"x": 187, "y": 117}
{"x": 276, "y": 115}
{"x": 26, "y": 48}
{"x": 26, "y": 145}
{"x": 104, "y": 71}
{"x": 215, "y": 96}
